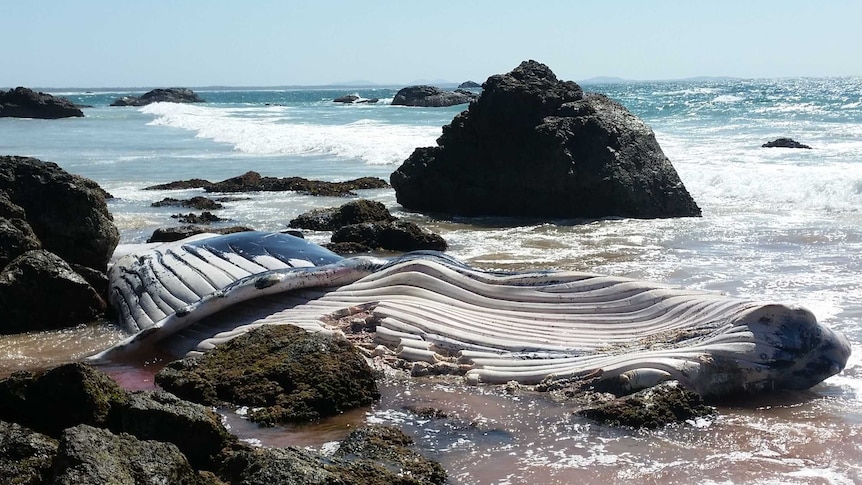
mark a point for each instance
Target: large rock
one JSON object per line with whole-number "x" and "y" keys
{"x": 61, "y": 397}
{"x": 196, "y": 430}
{"x": 26, "y": 103}
{"x": 170, "y": 95}
{"x": 40, "y": 291}
{"x": 92, "y": 455}
{"x": 283, "y": 372}
{"x": 431, "y": 97}
{"x": 68, "y": 213}
{"x": 534, "y": 146}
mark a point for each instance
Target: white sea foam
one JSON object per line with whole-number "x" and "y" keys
{"x": 256, "y": 131}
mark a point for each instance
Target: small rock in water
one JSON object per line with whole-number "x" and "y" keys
{"x": 784, "y": 143}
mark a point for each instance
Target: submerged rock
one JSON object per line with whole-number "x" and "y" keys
{"x": 253, "y": 182}
{"x": 784, "y": 143}
{"x": 199, "y": 202}
{"x": 431, "y": 97}
{"x": 169, "y": 95}
{"x": 285, "y": 373}
{"x": 393, "y": 236}
{"x": 651, "y": 408}
{"x": 205, "y": 217}
{"x": 26, "y": 103}
{"x": 534, "y": 146}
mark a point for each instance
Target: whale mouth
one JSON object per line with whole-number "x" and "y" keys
{"x": 493, "y": 327}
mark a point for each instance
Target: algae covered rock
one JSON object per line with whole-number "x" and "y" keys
{"x": 59, "y": 398}
{"x": 25, "y": 455}
{"x": 353, "y": 212}
{"x": 284, "y": 373}
{"x": 651, "y": 408}
{"x": 93, "y": 455}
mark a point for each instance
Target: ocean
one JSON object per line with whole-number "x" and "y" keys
{"x": 778, "y": 224}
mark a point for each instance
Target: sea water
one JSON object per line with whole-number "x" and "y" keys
{"x": 778, "y": 224}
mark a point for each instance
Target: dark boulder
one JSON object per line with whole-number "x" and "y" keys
{"x": 534, "y": 146}
{"x": 353, "y": 212}
{"x": 469, "y": 85}
{"x": 26, "y": 103}
{"x": 170, "y": 95}
{"x": 784, "y": 143}
{"x": 67, "y": 213}
{"x": 169, "y": 234}
{"x": 40, "y": 291}
{"x": 431, "y": 97}
{"x": 393, "y": 236}
{"x": 25, "y": 455}
{"x": 196, "y": 430}
{"x": 283, "y": 372}
{"x": 92, "y": 455}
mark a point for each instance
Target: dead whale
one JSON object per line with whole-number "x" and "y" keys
{"x": 613, "y": 333}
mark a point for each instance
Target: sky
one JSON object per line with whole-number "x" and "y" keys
{"x": 195, "y": 43}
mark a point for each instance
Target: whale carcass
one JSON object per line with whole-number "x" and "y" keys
{"x": 613, "y": 333}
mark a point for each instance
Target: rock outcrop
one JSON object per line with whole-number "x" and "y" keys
{"x": 784, "y": 143}
{"x": 56, "y": 236}
{"x": 431, "y": 97}
{"x": 169, "y": 95}
{"x": 399, "y": 236}
{"x": 534, "y": 146}
{"x": 253, "y": 182}
{"x": 469, "y": 85}
{"x": 650, "y": 409}
{"x": 73, "y": 424}
{"x": 363, "y": 225}
{"x": 332, "y": 218}
{"x": 283, "y": 372}
{"x": 26, "y": 103}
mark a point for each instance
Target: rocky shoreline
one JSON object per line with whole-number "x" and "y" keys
{"x": 74, "y": 424}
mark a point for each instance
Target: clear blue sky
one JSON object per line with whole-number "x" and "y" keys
{"x": 102, "y": 43}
